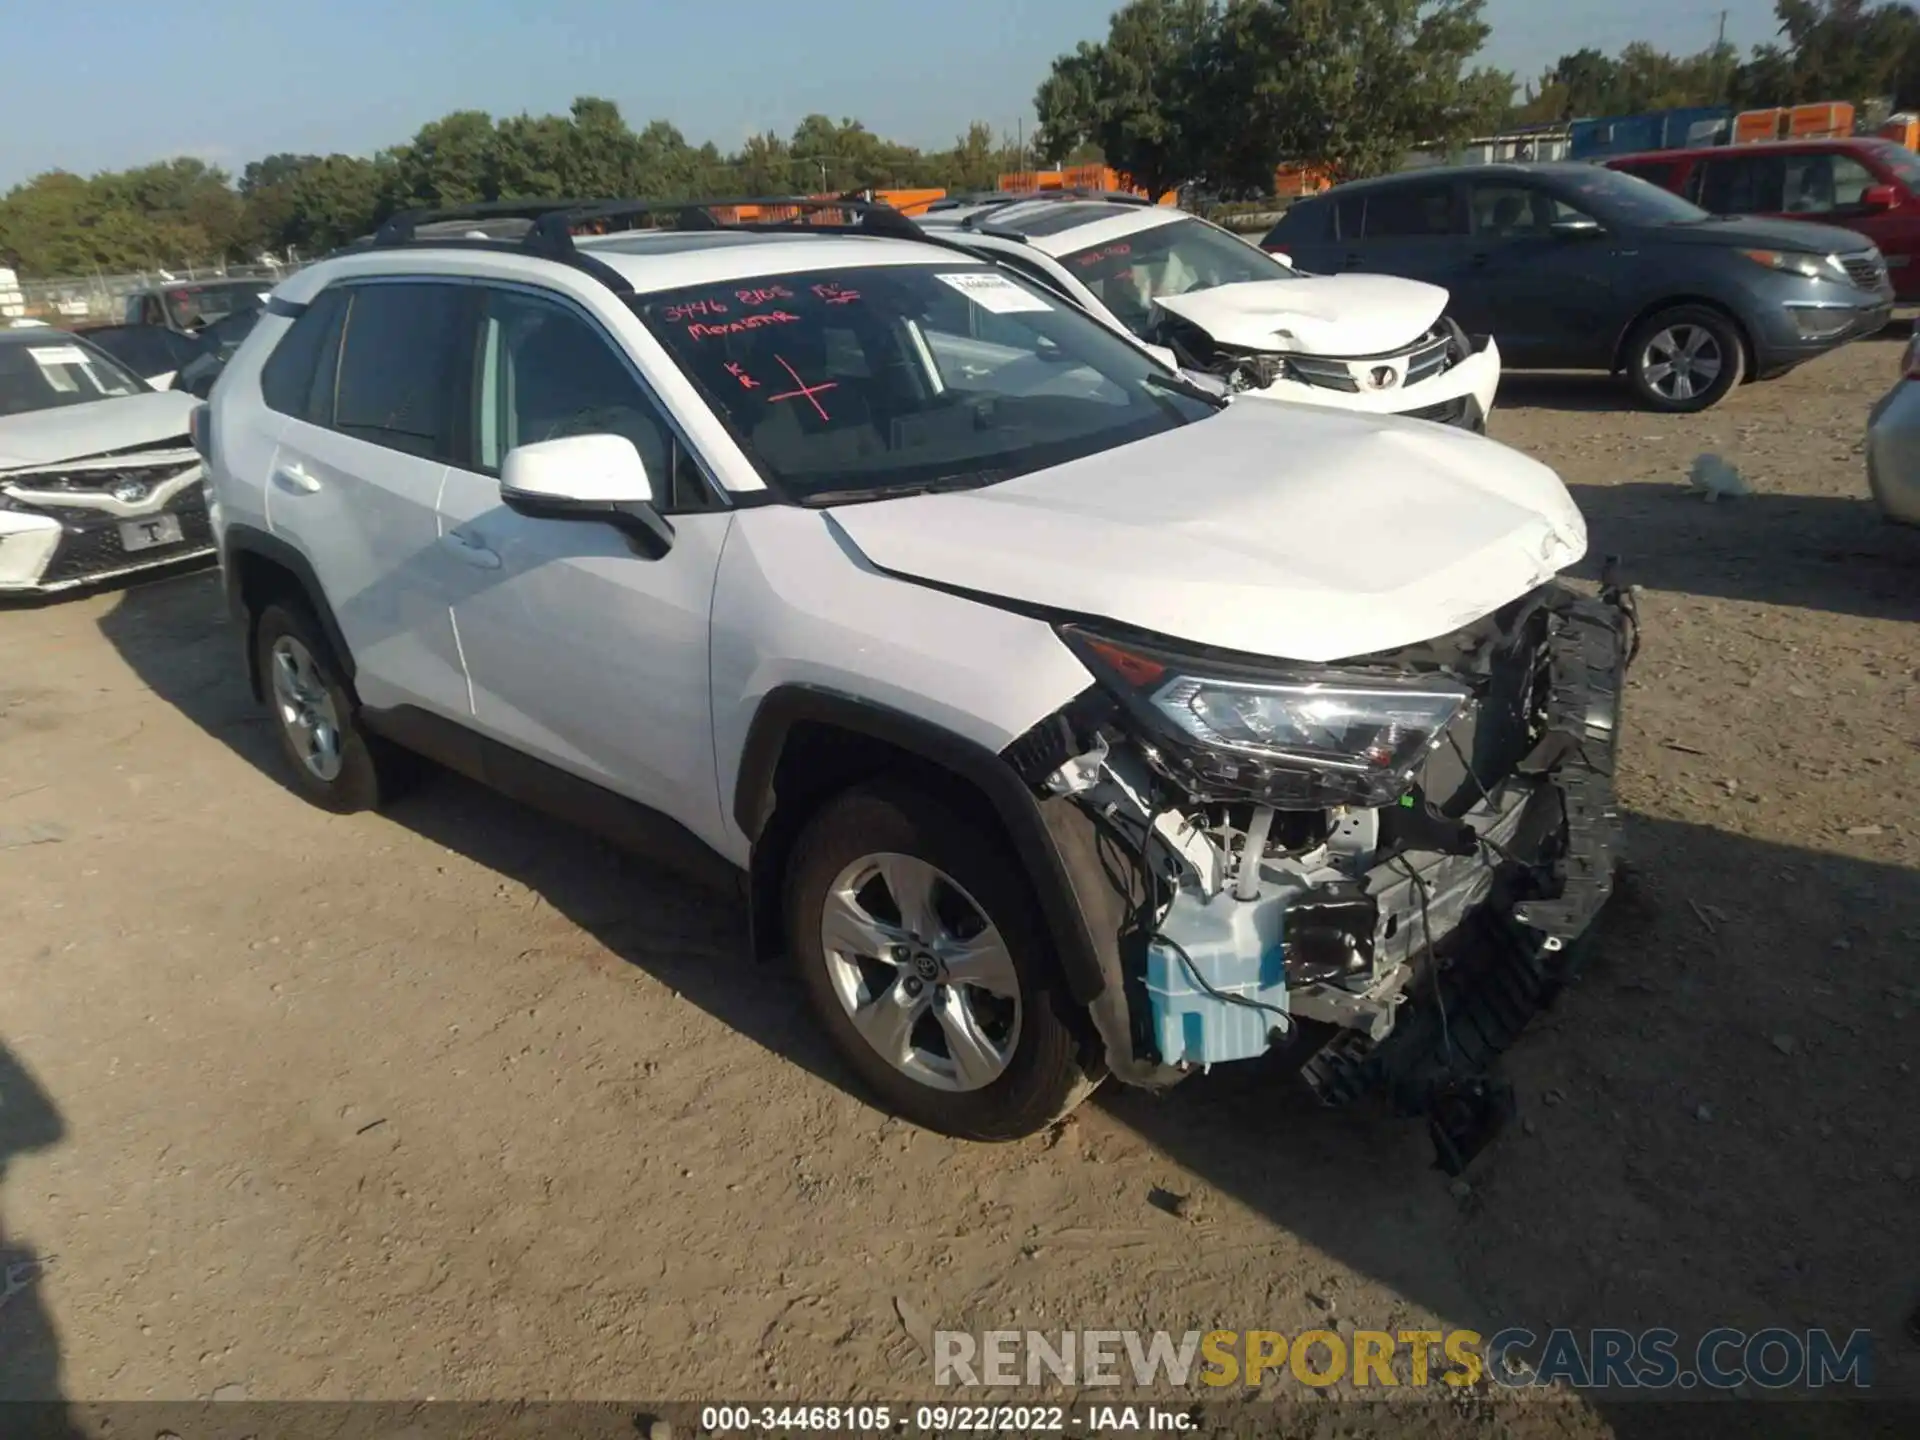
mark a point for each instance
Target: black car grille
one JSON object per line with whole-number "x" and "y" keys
{"x": 91, "y": 545}
{"x": 1447, "y": 412}
{"x": 1867, "y": 270}
{"x": 101, "y": 482}
{"x": 1327, "y": 374}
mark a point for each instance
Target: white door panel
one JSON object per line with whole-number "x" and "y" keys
{"x": 582, "y": 653}
{"x": 366, "y": 517}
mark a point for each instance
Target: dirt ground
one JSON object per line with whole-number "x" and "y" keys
{"x": 454, "y": 1102}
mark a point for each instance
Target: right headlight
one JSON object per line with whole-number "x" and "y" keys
{"x": 1800, "y": 262}
{"x": 1293, "y": 737}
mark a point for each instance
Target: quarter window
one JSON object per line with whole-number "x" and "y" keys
{"x": 298, "y": 378}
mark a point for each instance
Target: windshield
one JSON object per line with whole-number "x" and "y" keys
{"x": 1902, "y": 161}
{"x": 1130, "y": 273}
{"x": 200, "y": 305}
{"x": 852, "y": 384}
{"x": 1617, "y": 199}
{"x": 226, "y": 333}
{"x": 45, "y": 373}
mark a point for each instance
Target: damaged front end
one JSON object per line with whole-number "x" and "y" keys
{"x": 86, "y": 520}
{"x": 1443, "y": 375}
{"x": 1378, "y": 870}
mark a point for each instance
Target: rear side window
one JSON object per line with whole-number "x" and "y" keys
{"x": 298, "y": 377}
{"x": 1744, "y": 185}
{"x": 1305, "y": 221}
{"x": 401, "y": 366}
{"x": 1413, "y": 212}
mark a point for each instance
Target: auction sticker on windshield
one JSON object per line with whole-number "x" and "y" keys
{"x": 994, "y": 292}
{"x": 47, "y": 356}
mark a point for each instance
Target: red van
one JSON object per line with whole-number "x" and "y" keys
{"x": 1868, "y": 185}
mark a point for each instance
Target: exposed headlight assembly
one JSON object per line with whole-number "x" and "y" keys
{"x": 1292, "y": 737}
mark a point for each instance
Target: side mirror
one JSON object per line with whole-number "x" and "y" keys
{"x": 587, "y": 477}
{"x": 1879, "y": 197}
{"x": 1578, "y": 229}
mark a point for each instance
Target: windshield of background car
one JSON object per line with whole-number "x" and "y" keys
{"x": 226, "y": 333}
{"x": 202, "y": 305}
{"x": 1901, "y": 161}
{"x": 883, "y": 377}
{"x": 1130, "y": 273}
{"x": 1613, "y": 198}
{"x": 52, "y": 370}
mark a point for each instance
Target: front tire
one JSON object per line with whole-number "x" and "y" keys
{"x": 333, "y": 760}
{"x": 922, "y": 952}
{"x": 1686, "y": 359}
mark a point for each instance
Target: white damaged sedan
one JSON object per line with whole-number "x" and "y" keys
{"x": 1221, "y": 307}
{"x": 98, "y": 478}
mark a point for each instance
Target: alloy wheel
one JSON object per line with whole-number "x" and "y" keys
{"x": 922, "y": 971}
{"x": 1682, "y": 362}
{"x": 305, "y": 707}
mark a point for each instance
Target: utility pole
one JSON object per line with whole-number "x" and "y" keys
{"x": 1720, "y": 60}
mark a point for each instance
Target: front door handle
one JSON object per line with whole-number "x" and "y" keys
{"x": 1481, "y": 260}
{"x": 469, "y": 549}
{"x": 294, "y": 477}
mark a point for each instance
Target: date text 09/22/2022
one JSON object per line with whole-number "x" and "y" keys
{"x": 943, "y": 1419}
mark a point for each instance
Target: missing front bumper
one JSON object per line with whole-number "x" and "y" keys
{"x": 1504, "y": 937}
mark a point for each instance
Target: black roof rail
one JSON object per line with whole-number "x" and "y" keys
{"x": 550, "y": 234}
{"x": 400, "y": 227}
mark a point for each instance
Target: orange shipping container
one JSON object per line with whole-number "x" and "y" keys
{"x": 1826, "y": 121}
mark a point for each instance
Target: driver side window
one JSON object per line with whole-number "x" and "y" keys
{"x": 545, "y": 372}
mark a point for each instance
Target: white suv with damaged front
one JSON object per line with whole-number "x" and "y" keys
{"x": 1227, "y": 311}
{"x": 1057, "y": 718}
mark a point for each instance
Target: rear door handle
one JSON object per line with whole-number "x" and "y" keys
{"x": 469, "y": 549}
{"x": 295, "y": 478}
{"x": 1481, "y": 260}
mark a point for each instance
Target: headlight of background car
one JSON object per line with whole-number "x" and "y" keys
{"x": 1292, "y": 737}
{"x": 1796, "y": 262}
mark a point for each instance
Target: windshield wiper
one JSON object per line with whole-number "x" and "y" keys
{"x": 1180, "y": 385}
{"x": 971, "y": 480}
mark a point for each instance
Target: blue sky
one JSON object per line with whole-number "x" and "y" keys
{"x": 102, "y": 84}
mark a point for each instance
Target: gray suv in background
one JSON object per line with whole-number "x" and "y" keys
{"x": 1575, "y": 267}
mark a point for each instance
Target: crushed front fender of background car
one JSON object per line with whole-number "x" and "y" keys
{"x": 1397, "y": 946}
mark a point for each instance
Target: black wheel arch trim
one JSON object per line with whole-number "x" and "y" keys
{"x": 1016, "y": 807}
{"x": 241, "y": 540}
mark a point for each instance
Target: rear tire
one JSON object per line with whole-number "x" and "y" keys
{"x": 1686, "y": 359}
{"x": 994, "y": 1060}
{"x": 332, "y": 759}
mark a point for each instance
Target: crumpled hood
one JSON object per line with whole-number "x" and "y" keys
{"x": 1276, "y": 530}
{"x": 69, "y": 432}
{"x": 1337, "y": 315}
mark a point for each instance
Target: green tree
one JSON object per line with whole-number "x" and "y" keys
{"x": 1221, "y": 93}
{"x": 1350, "y": 85}
{"x": 1141, "y": 95}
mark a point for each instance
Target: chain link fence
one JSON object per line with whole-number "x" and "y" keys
{"x": 102, "y": 299}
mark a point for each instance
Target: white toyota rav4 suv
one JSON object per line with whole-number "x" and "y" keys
{"x": 1224, "y": 308}
{"x": 1057, "y": 717}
